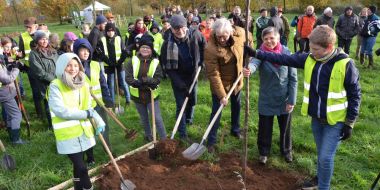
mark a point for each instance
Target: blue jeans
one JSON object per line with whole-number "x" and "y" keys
{"x": 235, "y": 116}
{"x": 367, "y": 45}
{"x": 122, "y": 84}
{"x": 21, "y": 85}
{"x": 188, "y": 116}
{"x": 144, "y": 118}
{"x": 327, "y": 139}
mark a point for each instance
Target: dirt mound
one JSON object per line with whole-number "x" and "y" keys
{"x": 173, "y": 172}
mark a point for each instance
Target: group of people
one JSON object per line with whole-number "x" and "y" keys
{"x": 69, "y": 78}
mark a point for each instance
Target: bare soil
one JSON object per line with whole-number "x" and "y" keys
{"x": 173, "y": 172}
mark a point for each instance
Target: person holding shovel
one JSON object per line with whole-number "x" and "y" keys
{"x": 331, "y": 96}
{"x": 283, "y": 81}
{"x": 71, "y": 109}
{"x": 224, "y": 63}
{"x": 144, "y": 74}
{"x": 97, "y": 81}
{"x": 8, "y": 74}
{"x": 113, "y": 56}
{"x": 181, "y": 55}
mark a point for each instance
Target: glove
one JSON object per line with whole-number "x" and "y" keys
{"x": 108, "y": 103}
{"x": 90, "y": 113}
{"x": 17, "y": 64}
{"x": 100, "y": 125}
{"x": 346, "y": 132}
{"x": 152, "y": 86}
{"x": 137, "y": 84}
{"x": 249, "y": 51}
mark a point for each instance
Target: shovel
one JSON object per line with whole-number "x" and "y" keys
{"x": 153, "y": 150}
{"x": 129, "y": 134}
{"x": 8, "y": 163}
{"x": 184, "y": 104}
{"x": 125, "y": 184}
{"x": 22, "y": 108}
{"x": 119, "y": 110}
{"x": 196, "y": 150}
{"x": 375, "y": 182}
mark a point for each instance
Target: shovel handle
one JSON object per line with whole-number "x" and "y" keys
{"x": 117, "y": 87}
{"x": 179, "y": 118}
{"x": 221, "y": 108}
{"x": 108, "y": 151}
{"x": 109, "y": 112}
{"x": 2, "y": 147}
{"x": 153, "y": 117}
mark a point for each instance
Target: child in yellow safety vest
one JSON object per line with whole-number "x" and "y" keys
{"x": 71, "y": 110}
{"x": 143, "y": 74}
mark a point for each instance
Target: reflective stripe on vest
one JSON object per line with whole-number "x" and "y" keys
{"x": 136, "y": 68}
{"x": 26, "y": 38}
{"x": 69, "y": 129}
{"x": 117, "y": 45}
{"x": 336, "y": 108}
{"x": 94, "y": 83}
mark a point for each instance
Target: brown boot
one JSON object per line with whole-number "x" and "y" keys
{"x": 361, "y": 58}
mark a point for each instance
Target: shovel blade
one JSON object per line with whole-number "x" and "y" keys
{"x": 8, "y": 162}
{"x": 131, "y": 134}
{"x": 194, "y": 151}
{"x": 127, "y": 185}
{"x": 119, "y": 110}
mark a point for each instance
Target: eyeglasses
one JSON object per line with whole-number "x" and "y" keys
{"x": 145, "y": 47}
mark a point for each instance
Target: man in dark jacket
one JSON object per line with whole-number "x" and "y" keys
{"x": 181, "y": 55}
{"x": 326, "y": 18}
{"x": 276, "y": 22}
{"x": 284, "y": 38}
{"x": 237, "y": 17}
{"x": 332, "y": 96}
{"x": 96, "y": 33}
{"x": 347, "y": 28}
{"x": 261, "y": 24}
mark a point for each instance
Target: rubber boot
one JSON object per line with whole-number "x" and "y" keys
{"x": 370, "y": 61}
{"x": 77, "y": 184}
{"x": 15, "y": 137}
{"x": 362, "y": 58}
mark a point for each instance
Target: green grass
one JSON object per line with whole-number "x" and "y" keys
{"x": 356, "y": 162}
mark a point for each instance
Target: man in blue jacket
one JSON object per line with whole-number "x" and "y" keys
{"x": 331, "y": 96}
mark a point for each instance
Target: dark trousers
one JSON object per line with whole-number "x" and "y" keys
{"x": 304, "y": 45}
{"x": 81, "y": 178}
{"x": 235, "y": 116}
{"x": 48, "y": 116}
{"x": 345, "y": 44}
{"x": 188, "y": 114}
{"x": 264, "y": 139}
{"x": 37, "y": 98}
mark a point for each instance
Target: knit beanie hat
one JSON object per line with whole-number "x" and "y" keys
{"x": 146, "y": 40}
{"x": 70, "y": 36}
{"x": 39, "y": 34}
{"x": 110, "y": 27}
{"x": 100, "y": 19}
{"x": 373, "y": 8}
{"x": 178, "y": 21}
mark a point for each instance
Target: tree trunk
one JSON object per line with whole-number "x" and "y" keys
{"x": 15, "y": 11}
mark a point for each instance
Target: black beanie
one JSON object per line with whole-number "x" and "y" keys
{"x": 373, "y": 8}
{"x": 110, "y": 27}
{"x": 147, "y": 40}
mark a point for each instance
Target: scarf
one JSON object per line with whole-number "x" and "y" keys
{"x": 74, "y": 83}
{"x": 140, "y": 30}
{"x": 277, "y": 49}
{"x": 326, "y": 58}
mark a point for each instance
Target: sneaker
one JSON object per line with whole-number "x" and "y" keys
{"x": 19, "y": 142}
{"x": 310, "y": 184}
{"x": 263, "y": 159}
{"x": 288, "y": 157}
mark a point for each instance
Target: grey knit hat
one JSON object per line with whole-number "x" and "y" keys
{"x": 178, "y": 21}
{"x": 40, "y": 34}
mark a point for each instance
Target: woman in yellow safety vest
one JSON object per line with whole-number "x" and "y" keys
{"x": 70, "y": 107}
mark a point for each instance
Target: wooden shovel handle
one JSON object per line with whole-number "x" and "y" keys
{"x": 109, "y": 112}
{"x": 153, "y": 117}
{"x": 2, "y": 147}
{"x": 107, "y": 150}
